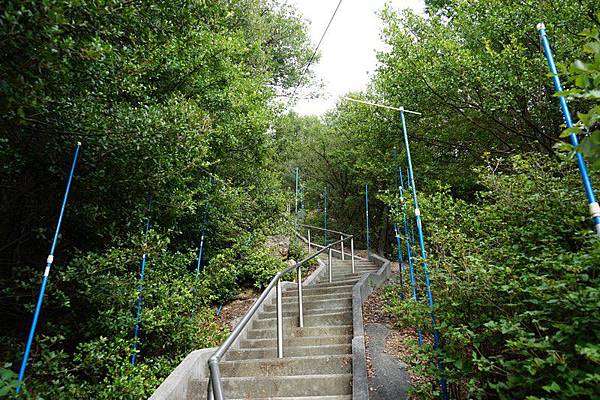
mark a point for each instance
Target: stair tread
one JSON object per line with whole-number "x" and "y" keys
{"x": 273, "y": 314}
{"x": 341, "y": 295}
{"x": 339, "y": 397}
{"x": 281, "y": 377}
{"x": 329, "y": 346}
{"x": 343, "y": 326}
{"x": 349, "y": 337}
{"x": 319, "y": 314}
{"x": 291, "y": 359}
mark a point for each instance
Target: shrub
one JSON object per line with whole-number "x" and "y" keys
{"x": 516, "y": 284}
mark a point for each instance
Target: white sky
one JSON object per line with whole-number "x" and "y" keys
{"x": 348, "y": 51}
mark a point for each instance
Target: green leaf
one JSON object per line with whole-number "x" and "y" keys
{"x": 570, "y": 131}
{"x": 552, "y": 388}
{"x": 581, "y": 66}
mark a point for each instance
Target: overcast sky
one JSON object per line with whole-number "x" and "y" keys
{"x": 348, "y": 51}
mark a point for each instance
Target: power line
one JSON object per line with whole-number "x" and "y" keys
{"x": 314, "y": 54}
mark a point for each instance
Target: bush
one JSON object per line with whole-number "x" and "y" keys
{"x": 84, "y": 347}
{"x": 516, "y": 285}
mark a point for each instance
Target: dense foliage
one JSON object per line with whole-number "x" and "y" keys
{"x": 170, "y": 99}
{"x": 516, "y": 285}
{"x": 585, "y": 75}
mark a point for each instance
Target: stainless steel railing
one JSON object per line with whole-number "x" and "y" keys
{"x": 215, "y": 382}
{"x": 343, "y": 238}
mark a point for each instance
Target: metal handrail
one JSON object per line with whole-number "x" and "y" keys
{"x": 213, "y": 363}
{"x": 323, "y": 229}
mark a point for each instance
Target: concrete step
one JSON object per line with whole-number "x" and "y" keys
{"x": 291, "y": 351}
{"x": 344, "y": 271}
{"x": 341, "y": 318}
{"x": 333, "y": 330}
{"x": 296, "y": 342}
{"x": 343, "y": 276}
{"x": 349, "y": 274}
{"x": 348, "y": 263}
{"x": 312, "y": 304}
{"x": 312, "y": 290}
{"x": 337, "y": 281}
{"x": 317, "y": 297}
{"x": 356, "y": 267}
{"x": 346, "y": 277}
{"x": 341, "y": 397}
{"x": 319, "y": 386}
{"x": 293, "y": 312}
{"x": 347, "y": 281}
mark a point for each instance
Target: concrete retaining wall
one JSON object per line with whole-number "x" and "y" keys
{"x": 367, "y": 283}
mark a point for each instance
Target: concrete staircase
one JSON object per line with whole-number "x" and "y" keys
{"x": 317, "y": 361}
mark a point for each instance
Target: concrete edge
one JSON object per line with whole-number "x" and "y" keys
{"x": 176, "y": 384}
{"x": 366, "y": 284}
{"x": 316, "y": 275}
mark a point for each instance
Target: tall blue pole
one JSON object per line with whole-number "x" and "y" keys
{"x": 325, "y": 209}
{"x": 136, "y": 329}
{"x": 200, "y": 250}
{"x": 401, "y": 190}
{"x": 409, "y": 242}
{"x": 397, "y": 233}
{"x": 398, "y": 239}
{"x": 367, "y": 220}
{"x": 296, "y": 192}
{"x": 201, "y": 247}
{"x": 49, "y": 261}
{"x": 411, "y": 177}
{"x": 587, "y": 184}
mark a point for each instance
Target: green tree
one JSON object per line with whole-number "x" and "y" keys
{"x": 585, "y": 75}
{"x": 171, "y": 98}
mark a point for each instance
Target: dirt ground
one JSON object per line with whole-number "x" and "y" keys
{"x": 237, "y": 308}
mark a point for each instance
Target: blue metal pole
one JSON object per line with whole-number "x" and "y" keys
{"x": 411, "y": 177}
{"x": 49, "y": 261}
{"x": 407, "y": 239}
{"x": 587, "y": 184}
{"x": 325, "y": 208}
{"x": 367, "y": 221}
{"x": 397, "y": 233}
{"x": 409, "y": 242}
{"x": 400, "y": 262}
{"x": 398, "y": 239}
{"x": 141, "y": 289}
{"x": 201, "y": 247}
{"x": 296, "y": 193}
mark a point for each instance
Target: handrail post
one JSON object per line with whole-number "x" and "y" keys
{"x": 215, "y": 378}
{"x": 300, "y": 305}
{"x": 330, "y": 266}
{"x": 352, "y": 252}
{"x": 209, "y": 389}
{"x": 342, "y": 244}
{"x": 279, "y": 321}
{"x": 309, "y": 249}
